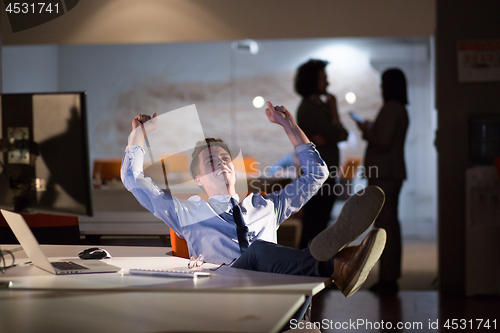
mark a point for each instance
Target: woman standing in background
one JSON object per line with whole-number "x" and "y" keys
{"x": 384, "y": 158}
{"x": 320, "y": 121}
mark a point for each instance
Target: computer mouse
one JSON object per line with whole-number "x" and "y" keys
{"x": 94, "y": 253}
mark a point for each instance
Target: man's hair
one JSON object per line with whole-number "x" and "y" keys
{"x": 394, "y": 86}
{"x": 201, "y": 146}
{"x": 306, "y": 78}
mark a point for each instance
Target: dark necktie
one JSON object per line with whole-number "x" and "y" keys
{"x": 241, "y": 228}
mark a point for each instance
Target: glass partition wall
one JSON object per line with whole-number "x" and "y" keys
{"x": 228, "y": 82}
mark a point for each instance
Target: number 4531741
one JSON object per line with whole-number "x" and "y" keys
{"x": 472, "y": 324}
{"x": 32, "y": 8}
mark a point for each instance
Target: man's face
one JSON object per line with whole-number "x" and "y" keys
{"x": 322, "y": 82}
{"x": 216, "y": 170}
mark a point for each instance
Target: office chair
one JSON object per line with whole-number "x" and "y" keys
{"x": 48, "y": 229}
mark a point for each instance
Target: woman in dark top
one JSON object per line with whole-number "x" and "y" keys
{"x": 385, "y": 168}
{"x": 320, "y": 121}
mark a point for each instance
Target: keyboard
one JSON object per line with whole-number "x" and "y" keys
{"x": 67, "y": 266}
{"x": 171, "y": 273}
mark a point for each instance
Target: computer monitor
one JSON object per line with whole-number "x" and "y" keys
{"x": 44, "y": 164}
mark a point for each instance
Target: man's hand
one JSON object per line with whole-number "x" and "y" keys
{"x": 281, "y": 116}
{"x": 146, "y": 120}
{"x": 138, "y": 133}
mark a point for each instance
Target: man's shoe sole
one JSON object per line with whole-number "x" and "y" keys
{"x": 375, "y": 248}
{"x": 357, "y": 215}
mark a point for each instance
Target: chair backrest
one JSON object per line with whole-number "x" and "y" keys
{"x": 179, "y": 245}
{"x": 45, "y": 220}
{"x": 48, "y": 229}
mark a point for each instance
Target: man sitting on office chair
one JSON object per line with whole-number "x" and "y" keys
{"x": 225, "y": 229}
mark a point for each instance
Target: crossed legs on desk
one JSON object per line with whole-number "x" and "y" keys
{"x": 328, "y": 255}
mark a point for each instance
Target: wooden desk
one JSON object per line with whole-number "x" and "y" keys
{"x": 230, "y": 301}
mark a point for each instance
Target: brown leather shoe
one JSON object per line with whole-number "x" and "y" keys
{"x": 352, "y": 265}
{"x": 356, "y": 216}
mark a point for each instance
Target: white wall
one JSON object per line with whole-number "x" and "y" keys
{"x": 125, "y": 80}
{"x": 30, "y": 69}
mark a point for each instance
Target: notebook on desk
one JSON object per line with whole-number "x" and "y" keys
{"x": 32, "y": 248}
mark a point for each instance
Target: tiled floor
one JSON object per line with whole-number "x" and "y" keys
{"x": 419, "y": 266}
{"x": 366, "y": 312}
{"x": 419, "y": 305}
{"x": 413, "y": 311}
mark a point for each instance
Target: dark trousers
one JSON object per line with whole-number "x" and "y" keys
{"x": 269, "y": 257}
{"x": 317, "y": 212}
{"x": 390, "y": 261}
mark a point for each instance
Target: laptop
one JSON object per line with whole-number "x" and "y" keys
{"x": 32, "y": 248}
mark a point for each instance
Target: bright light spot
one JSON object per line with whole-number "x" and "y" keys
{"x": 345, "y": 57}
{"x": 258, "y": 102}
{"x": 350, "y": 97}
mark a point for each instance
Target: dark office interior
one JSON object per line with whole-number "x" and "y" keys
{"x": 460, "y": 273}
